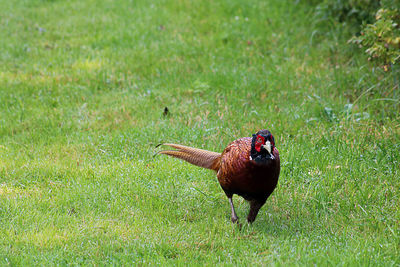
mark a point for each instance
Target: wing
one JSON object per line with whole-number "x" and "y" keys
{"x": 235, "y": 162}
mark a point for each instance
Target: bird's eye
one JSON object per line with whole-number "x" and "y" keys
{"x": 259, "y": 140}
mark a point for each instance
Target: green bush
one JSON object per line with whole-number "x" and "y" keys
{"x": 382, "y": 38}
{"x": 377, "y": 21}
{"x": 353, "y": 12}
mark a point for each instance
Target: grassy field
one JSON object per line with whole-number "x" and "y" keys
{"x": 83, "y": 86}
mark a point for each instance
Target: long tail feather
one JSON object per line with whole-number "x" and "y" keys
{"x": 199, "y": 157}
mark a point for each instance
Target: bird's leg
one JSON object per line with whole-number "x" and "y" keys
{"x": 234, "y": 217}
{"x": 255, "y": 206}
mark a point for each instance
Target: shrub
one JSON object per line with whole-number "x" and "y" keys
{"x": 353, "y": 12}
{"x": 382, "y": 38}
{"x": 378, "y": 21}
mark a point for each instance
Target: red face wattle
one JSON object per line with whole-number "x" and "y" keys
{"x": 259, "y": 142}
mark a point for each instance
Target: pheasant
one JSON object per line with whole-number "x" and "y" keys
{"x": 248, "y": 167}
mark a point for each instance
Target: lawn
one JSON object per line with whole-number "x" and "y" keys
{"x": 83, "y": 87}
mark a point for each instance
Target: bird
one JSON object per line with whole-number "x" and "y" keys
{"x": 165, "y": 113}
{"x": 248, "y": 167}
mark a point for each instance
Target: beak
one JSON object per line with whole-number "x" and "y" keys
{"x": 268, "y": 147}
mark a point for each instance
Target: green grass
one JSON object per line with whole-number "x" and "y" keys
{"x": 83, "y": 85}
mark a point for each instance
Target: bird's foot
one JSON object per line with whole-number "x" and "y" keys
{"x": 234, "y": 219}
{"x": 249, "y": 222}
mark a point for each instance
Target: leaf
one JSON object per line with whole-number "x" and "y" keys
{"x": 330, "y": 114}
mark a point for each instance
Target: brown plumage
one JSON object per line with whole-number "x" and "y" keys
{"x": 248, "y": 167}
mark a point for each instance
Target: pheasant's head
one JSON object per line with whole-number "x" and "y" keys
{"x": 262, "y": 147}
